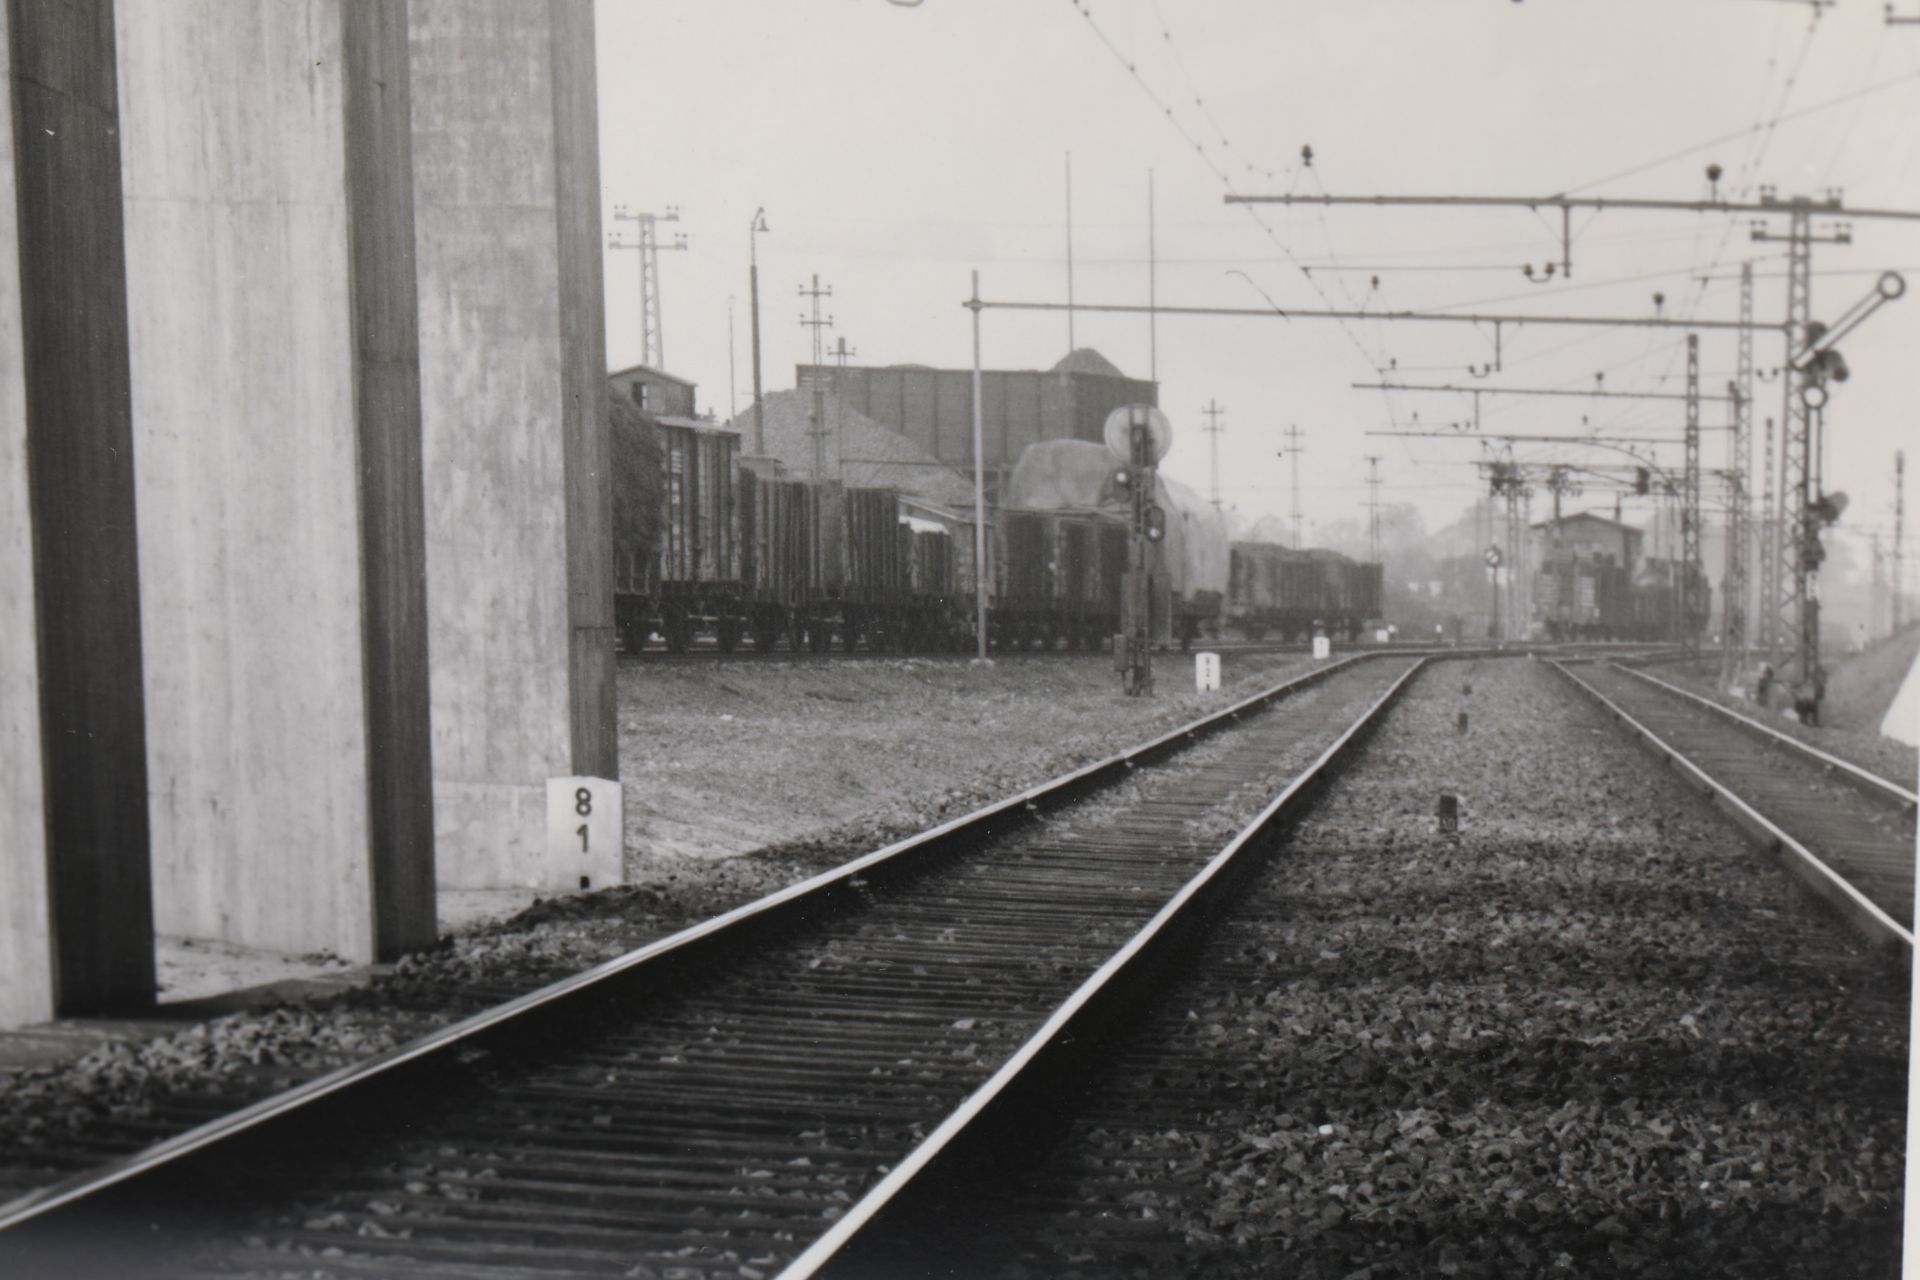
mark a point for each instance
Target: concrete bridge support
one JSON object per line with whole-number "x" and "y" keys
{"x": 76, "y": 928}
{"x": 301, "y": 368}
{"x": 271, "y": 320}
{"x": 513, "y": 389}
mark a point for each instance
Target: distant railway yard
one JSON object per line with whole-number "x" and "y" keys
{"x": 1396, "y": 963}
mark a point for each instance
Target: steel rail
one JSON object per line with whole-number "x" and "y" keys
{"x": 1119, "y": 979}
{"x": 1873, "y": 921}
{"x": 725, "y": 933}
{"x": 1867, "y": 780}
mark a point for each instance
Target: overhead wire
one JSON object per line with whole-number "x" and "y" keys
{"x": 1226, "y": 180}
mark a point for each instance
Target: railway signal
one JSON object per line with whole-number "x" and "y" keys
{"x": 1139, "y": 435}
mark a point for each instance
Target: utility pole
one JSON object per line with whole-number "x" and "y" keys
{"x": 1735, "y": 584}
{"x": 1769, "y": 615}
{"x": 1293, "y": 451}
{"x": 1689, "y": 570}
{"x": 1153, "y": 303}
{"x": 1877, "y": 598}
{"x": 1070, "y": 346}
{"x": 842, "y": 352}
{"x": 647, "y": 245}
{"x": 1507, "y": 480}
{"x": 1373, "y": 508}
{"x": 816, "y": 416}
{"x": 733, "y": 378}
{"x": 754, "y": 228}
{"x": 1899, "y": 536}
{"x": 1213, "y": 430}
{"x": 1559, "y": 484}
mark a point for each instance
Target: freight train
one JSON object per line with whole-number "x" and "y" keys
{"x": 709, "y": 543}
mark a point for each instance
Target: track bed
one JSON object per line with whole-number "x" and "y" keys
{"x": 715, "y": 1128}
{"x": 1593, "y": 1033}
{"x": 1863, "y": 833}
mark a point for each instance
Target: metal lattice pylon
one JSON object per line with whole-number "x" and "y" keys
{"x": 1739, "y": 472}
{"x": 1689, "y": 567}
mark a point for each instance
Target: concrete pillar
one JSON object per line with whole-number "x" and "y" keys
{"x": 513, "y": 392}
{"x": 276, "y": 411}
{"x": 76, "y": 928}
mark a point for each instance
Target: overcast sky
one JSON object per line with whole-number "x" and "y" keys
{"x": 896, "y": 149}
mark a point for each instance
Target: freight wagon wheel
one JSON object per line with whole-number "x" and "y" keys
{"x": 679, "y": 632}
{"x": 728, "y": 633}
{"x": 766, "y": 631}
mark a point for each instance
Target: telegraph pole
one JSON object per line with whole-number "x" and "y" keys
{"x": 1735, "y": 592}
{"x": 1153, "y": 303}
{"x": 1213, "y": 430}
{"x": 1690, "y": 573}
{"x": 1070, "y": 252}
{"x": 1373, "y": 508}
{"x": 1293, "y": 451}
{"x": 1769, "y": 615}
{"x": 754, "y": 228}
{"x": 647, "y": 245}
{"x": 841, "y": 353}
{"x": 1877, "y": 597}
{"x": 1899, "y": 536}
{"x": 816, "y": 416}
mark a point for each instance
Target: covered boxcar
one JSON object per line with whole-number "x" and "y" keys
{"x": 1583, "y": 599}
{"x": 676, "y": 554}
{"x": 1291, "y": 592}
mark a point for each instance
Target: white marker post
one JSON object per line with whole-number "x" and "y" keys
{"x": 1206, "y": 672}
{"x": 585, "y": 826}
{"x": 1322, "y": 647}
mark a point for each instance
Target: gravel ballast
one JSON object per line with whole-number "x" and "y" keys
{"x": 1591, "y": 1034}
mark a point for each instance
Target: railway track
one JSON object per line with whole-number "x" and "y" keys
{"x": 712, "y": 1104}
{"x": 1847, "y": 832}
{"x": 1272, "y": 1054}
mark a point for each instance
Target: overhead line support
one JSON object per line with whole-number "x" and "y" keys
{"x": 1433, "y": 317}
{"x": 1688, "y": 572}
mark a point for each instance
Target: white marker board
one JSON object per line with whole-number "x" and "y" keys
{"x": 585, "y": 822}
{"x": 1206, "y": 672}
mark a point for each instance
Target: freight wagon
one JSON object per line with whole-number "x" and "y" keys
{"x": 1577, "y": 599}
{"x": 706, "y": 543}
{"x": 1580, "y": 599}
{"x": 1058, "y": 579}
{"x": 1289, "y": 592}
{"x": 677, "y": 566}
